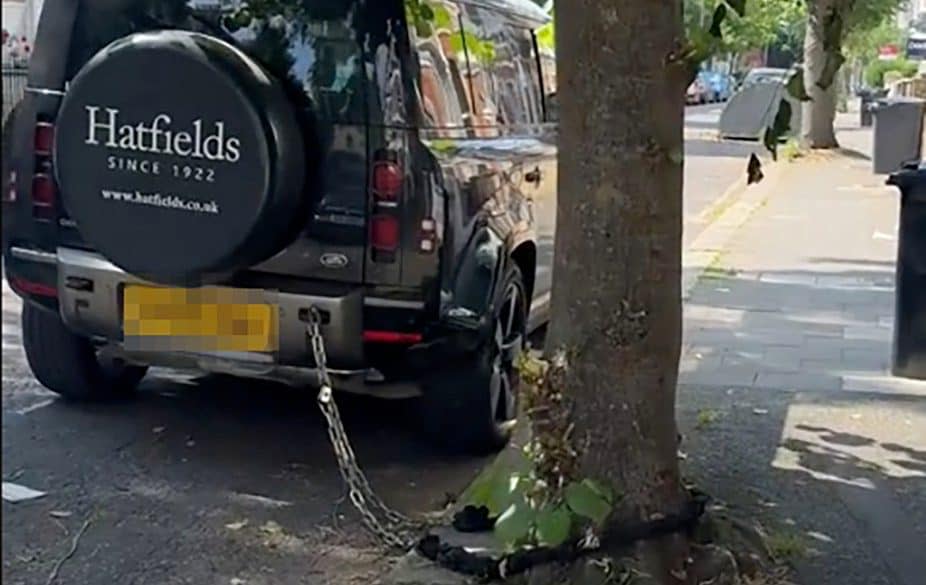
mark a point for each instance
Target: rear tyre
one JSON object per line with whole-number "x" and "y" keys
{"x": 472, "y": 407}
{"x": 70, "y": 365}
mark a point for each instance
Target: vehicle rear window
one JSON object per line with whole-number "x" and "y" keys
{"x": 310, "y": 45}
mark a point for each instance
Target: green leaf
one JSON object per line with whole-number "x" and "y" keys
{"x": 505, "y": 491}
{"x": 443, "y": 18}
{"x": 426, "y": 12}
{"x": 553, "y": 525}
{"x": 423, "y": 29}
{"x": 513, "y": 526}
{"x": 779, "y": 128}
{"x": 738, "y": 5}
{"x": 720, "y": 13}
{"x": 754, "y": 172}
{"x": 795, "y": 86}
{"x": 602, "y": 490}
{"x": 584, "y": 501}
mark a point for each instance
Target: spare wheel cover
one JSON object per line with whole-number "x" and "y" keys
{"x": 172, "y": 148}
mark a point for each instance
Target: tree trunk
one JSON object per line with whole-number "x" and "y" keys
{"x": 617, "y": 274}
{"x": 819, "y": 114}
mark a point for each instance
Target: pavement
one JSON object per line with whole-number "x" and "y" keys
{"x": 217, "y": 481}
{"x": 786, "y": 403}
{"x": 714, "y": 169}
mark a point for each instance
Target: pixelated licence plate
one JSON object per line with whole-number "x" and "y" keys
{"x": 200, "y": 319}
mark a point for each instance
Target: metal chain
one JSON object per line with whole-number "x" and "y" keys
{"x": 389, "y": 526}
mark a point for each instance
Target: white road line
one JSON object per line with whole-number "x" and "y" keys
{"x": 36, "y": 406}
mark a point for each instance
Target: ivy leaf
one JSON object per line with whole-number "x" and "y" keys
{"x": 442, "y": 18}
{"x": 602, "y": 490}
{"x": 834, "y": 60}
{"x": 720, "y": 13}
{"x": 423, "y": 29}
{"x": 738, "y": 5}
{"x": 553, "y": 526}
{"x": 515, "y": 522}
{"x": 426, "y": 12}
{"x": 754, "y": 172}
{"x": 586, "y": 502}
{"x": 779, "y": 128}
{"x": 796, "y": 87}
{"x": 505, "y": 491}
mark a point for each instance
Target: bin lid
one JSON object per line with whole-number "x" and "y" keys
{"x": 911, "y": 178}
{"x": 899, "y": 102}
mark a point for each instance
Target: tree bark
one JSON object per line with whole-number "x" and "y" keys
{"x": 617, "y": 274}
{"x": 818, "y": 114}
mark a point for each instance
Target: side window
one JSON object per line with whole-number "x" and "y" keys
{"x": 434, "y": 28}
{"x": 547, "y": 45}
{"x": 503, "y": 68}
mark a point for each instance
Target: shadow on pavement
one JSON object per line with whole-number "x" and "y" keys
{"x": 810, "y": 434}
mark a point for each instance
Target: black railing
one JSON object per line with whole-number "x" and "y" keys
{"x": 14, "y": 87}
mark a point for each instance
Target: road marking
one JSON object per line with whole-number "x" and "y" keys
{"x": 36, "y": 406}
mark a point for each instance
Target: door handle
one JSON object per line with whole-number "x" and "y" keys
{"x": 533, "y": 176}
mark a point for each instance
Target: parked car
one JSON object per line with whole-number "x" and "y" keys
{"x": 706, "y": 79}
{"x": 765, "y": 75}
{"x": 190, "y": 191}
{"x": 721, "y": 86}
{"x": 697, "y": 92}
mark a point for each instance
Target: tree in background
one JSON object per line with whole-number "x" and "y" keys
{"x": 831, "y": 26}
{"x": 765, "y": 23}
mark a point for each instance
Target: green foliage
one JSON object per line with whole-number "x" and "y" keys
{"x": 863, "y": 45}
{"x": 746, "y": 24}
{"x": 514, "y": 526}
{"x": 874, "y": 73}
{"x": 585, "y": 499}
{"x": 554, "y": 525}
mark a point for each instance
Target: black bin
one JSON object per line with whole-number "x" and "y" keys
{"x": 909, "y": 359}
{"x": 868, "y": 97}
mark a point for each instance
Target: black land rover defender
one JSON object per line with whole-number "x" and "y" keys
{"x": 192, "y": 179}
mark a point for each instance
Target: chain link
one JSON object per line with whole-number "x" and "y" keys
{"x": 391, "y": 527}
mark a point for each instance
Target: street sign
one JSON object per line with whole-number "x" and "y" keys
{"x": 916, "y": 47}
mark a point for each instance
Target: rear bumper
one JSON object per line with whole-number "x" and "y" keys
{"x": 89, "y": 291}
{"x": 89, "y": 299}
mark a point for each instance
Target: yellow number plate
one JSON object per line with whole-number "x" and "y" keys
{"x": 203, "y": 319}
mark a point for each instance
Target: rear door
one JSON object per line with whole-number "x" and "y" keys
{"x": 324, "y": 52}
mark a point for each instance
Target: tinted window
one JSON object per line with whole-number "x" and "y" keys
{"x": 436, "y": 36}
{"x": 312, "y": 46}
{"x": 503, "y": 68}
{"x": 547, "y": 44}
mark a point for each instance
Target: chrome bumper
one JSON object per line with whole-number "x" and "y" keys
{"x": 89, "y": 299}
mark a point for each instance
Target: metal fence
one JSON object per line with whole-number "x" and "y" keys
{"x": 14, "y": 86}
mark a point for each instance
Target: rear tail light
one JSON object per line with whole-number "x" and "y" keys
{"x": 387, "y": 179}
{"x": 44, "y": 138}
{"x": 387, "y": 182}
{"x": 33, "y": 288}
{"x": 396, "y": 337}
{"x": 44, "y": 188}
{"x": 44, "y": 196}
{"x": 384, "y": 233}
